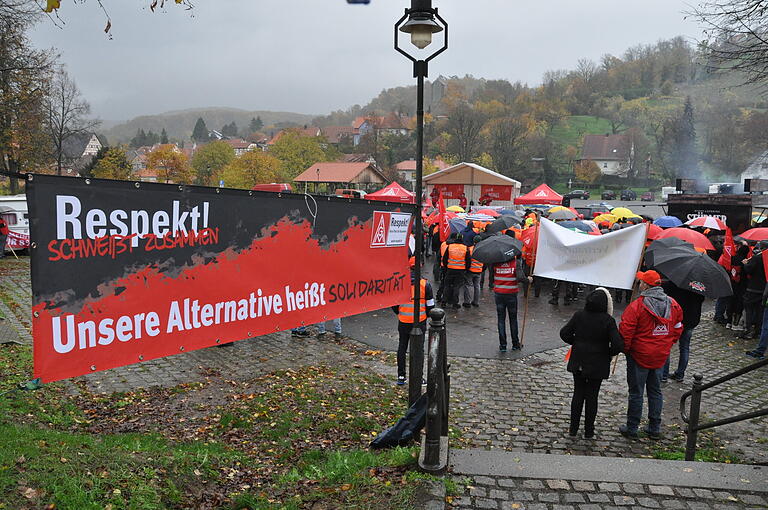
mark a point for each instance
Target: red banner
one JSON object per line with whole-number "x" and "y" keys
{"x": 17, "y": 241}
{"x": 450, "y": 191}
{"x": 496, "y": 192}
{"x": 123, "y": 274}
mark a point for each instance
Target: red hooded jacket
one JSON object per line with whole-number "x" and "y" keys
{"x": 648, "y": 338}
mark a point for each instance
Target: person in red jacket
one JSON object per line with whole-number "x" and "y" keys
{"x": 650, "y": 325}
{"x": 3, "y": 236}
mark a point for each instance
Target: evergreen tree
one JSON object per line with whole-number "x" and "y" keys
{"x": 200, "y": 133}
{"x": 685, "y": 158}
{"x": 256, "y": 124}
{"x": 152, "y": 138}
{"x": 229, "y": 129}
{"x": 163, "y": 136}
{"x": 140, "y": 140}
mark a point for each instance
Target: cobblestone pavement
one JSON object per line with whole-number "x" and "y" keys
{"x": 513, "y": 404}
{"x": 500, "y": 493}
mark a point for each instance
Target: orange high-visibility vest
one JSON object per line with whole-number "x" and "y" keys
{"x": 477, "y": 266}
{"x": 405, "y": 311}
{"x": 457, "y": 254}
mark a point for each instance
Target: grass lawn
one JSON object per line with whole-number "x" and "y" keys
{"x": 291, "y": 439}
{"x": 572, "y": 130}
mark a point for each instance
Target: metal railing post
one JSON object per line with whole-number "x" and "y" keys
{"x": 693, "y": 418}
{"x": 434, "y": 448}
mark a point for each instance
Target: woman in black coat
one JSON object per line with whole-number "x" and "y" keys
{"x": 595, "y": 339}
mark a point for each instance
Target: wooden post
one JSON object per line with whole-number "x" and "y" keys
{"x": 528, "y": 294}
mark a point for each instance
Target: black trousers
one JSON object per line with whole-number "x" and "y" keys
{"x": 404, "y": 333}
{"x": 454, "y": 283}
{"x": 585, "y": 393}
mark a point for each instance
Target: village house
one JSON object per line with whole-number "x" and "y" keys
{"x": 406, "y": 171}
{"x": 612, "y": 153}
{"x": 78, "y": 150}
{"x": 334, "y": 175}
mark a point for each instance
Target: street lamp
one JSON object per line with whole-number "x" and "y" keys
{"x": 421, "y": 25}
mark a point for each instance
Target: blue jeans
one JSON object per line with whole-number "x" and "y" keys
{"x": 642, "y": 380}
{"x": 506, "y": 304}
{"x": 763, "y": 344}
{"x": 685, "y": 354}
{"x": 336, "y": 326}
{"x": 721, "y": 305}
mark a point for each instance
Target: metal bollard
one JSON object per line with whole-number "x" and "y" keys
{"x": 434, "y": 451}
{"x": 693, "y": 418}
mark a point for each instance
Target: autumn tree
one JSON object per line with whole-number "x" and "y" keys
{"x": 464, "y": 126}
{"x": 253, "y": 167}
{"x": 24, "y": 72}
{"x": 172, "y": 165}
{"x": 66, "y": 114}
{"x": 587, "y": 171}
{"x": 506, "y": 140}
{"x": 113, "y": 165}
{"x": 209, "y": 160}
{"x": 297, "y": 153}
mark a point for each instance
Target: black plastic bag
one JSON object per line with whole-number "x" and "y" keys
{"x": 406, "y": 428}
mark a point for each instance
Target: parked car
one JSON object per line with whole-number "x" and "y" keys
{"x": 608, "y": 195}
{"x": 350, "y": 193}
{"x": 647, "y": 196}
{"x": 628, "y": 194}
{"x": 578, "y": 193}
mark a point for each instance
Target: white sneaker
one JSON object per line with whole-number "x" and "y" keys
{"x": 737, "y": 327}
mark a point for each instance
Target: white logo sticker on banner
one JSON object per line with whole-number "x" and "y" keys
{"x": 609, "y": 260}
{"x": 391, "y": 229}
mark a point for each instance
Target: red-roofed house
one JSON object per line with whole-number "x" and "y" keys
{"x": 406, "y": 170}
{"x": 612, "y": 153}
{"x": 363, "y": 176}
{"x": 240, "y": 146}
{"x": 391, "y": 124}
{"x": 336, "y": 134}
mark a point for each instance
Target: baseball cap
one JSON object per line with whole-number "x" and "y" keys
{"x": 651, "y": 277}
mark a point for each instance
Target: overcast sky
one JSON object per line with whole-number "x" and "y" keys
{"x": 314, "y": 56}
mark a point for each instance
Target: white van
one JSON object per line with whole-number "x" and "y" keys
{"x": 13, "y": 209}
{"x": 668, "y": 190}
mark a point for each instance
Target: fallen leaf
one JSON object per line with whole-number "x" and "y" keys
{"x": 346, "y": 487}
{"x": 31, "y": 493}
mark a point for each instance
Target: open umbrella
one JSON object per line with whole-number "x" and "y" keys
{"x": 692, "y": 271}
{"x": 457, "y": 224}
{"x": 707, "y": 222}
{"x": 755, "y": 234}
{"x": 654, "y": 231}
{"x": 455, "y": 208}
{"x": 698, "y": 240}
{"x": 622, "y": 213}
{"x": 667, "y": 243}
{"x": 562, "y": 214}
{"x": 502, "y": 223}
{"x": 610, "y": 218}
{"x": 582, "y": 226}
{"x": 489, "y": 212}
{"x": 497, "y": 249}
{"x": 667, "y": 221}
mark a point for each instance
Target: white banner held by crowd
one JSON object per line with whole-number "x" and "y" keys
{"x": 609, "y": 260}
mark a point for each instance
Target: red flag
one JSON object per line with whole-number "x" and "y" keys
{"x": 445, "y": 228}
{"x": 729, "y": 249}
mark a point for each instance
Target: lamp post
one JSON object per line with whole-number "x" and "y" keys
{"x": 421, "y": 25}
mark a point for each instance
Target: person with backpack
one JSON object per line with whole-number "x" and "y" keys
{"x": 650, "y": 326}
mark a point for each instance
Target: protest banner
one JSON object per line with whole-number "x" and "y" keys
{"x": 17, "y": 240}
{"x": 449, "y": 191}
{"x": 496, "y": 192}
{"x": 124, "y": 272}
{"x": 608, "y": 260}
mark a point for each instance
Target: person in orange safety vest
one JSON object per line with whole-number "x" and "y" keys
{"x": 406, "y": 316}
{"x": 457, "y": 259}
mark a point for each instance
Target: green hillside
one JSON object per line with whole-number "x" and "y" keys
{"x": 572, "y": 130}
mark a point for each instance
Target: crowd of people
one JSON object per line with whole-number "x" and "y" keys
{"x": 662, "y": 315}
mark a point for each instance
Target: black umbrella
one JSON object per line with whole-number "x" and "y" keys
{"x": 497, "y": 249}
{"x": 661, "y": 245}
{"x": 502, "y": 223}
{"x": 577, "y": 224}
{"x": 692, "y": 271}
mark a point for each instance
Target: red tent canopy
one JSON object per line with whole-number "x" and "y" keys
{"x": 543, "y": 194}
{"x": 393, "y": 193}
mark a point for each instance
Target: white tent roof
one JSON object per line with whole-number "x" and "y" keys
{"x": 471, "y": 174}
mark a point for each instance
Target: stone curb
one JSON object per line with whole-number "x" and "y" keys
{"x": 430, "y": 495}
{"x": 609, "y": 469}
